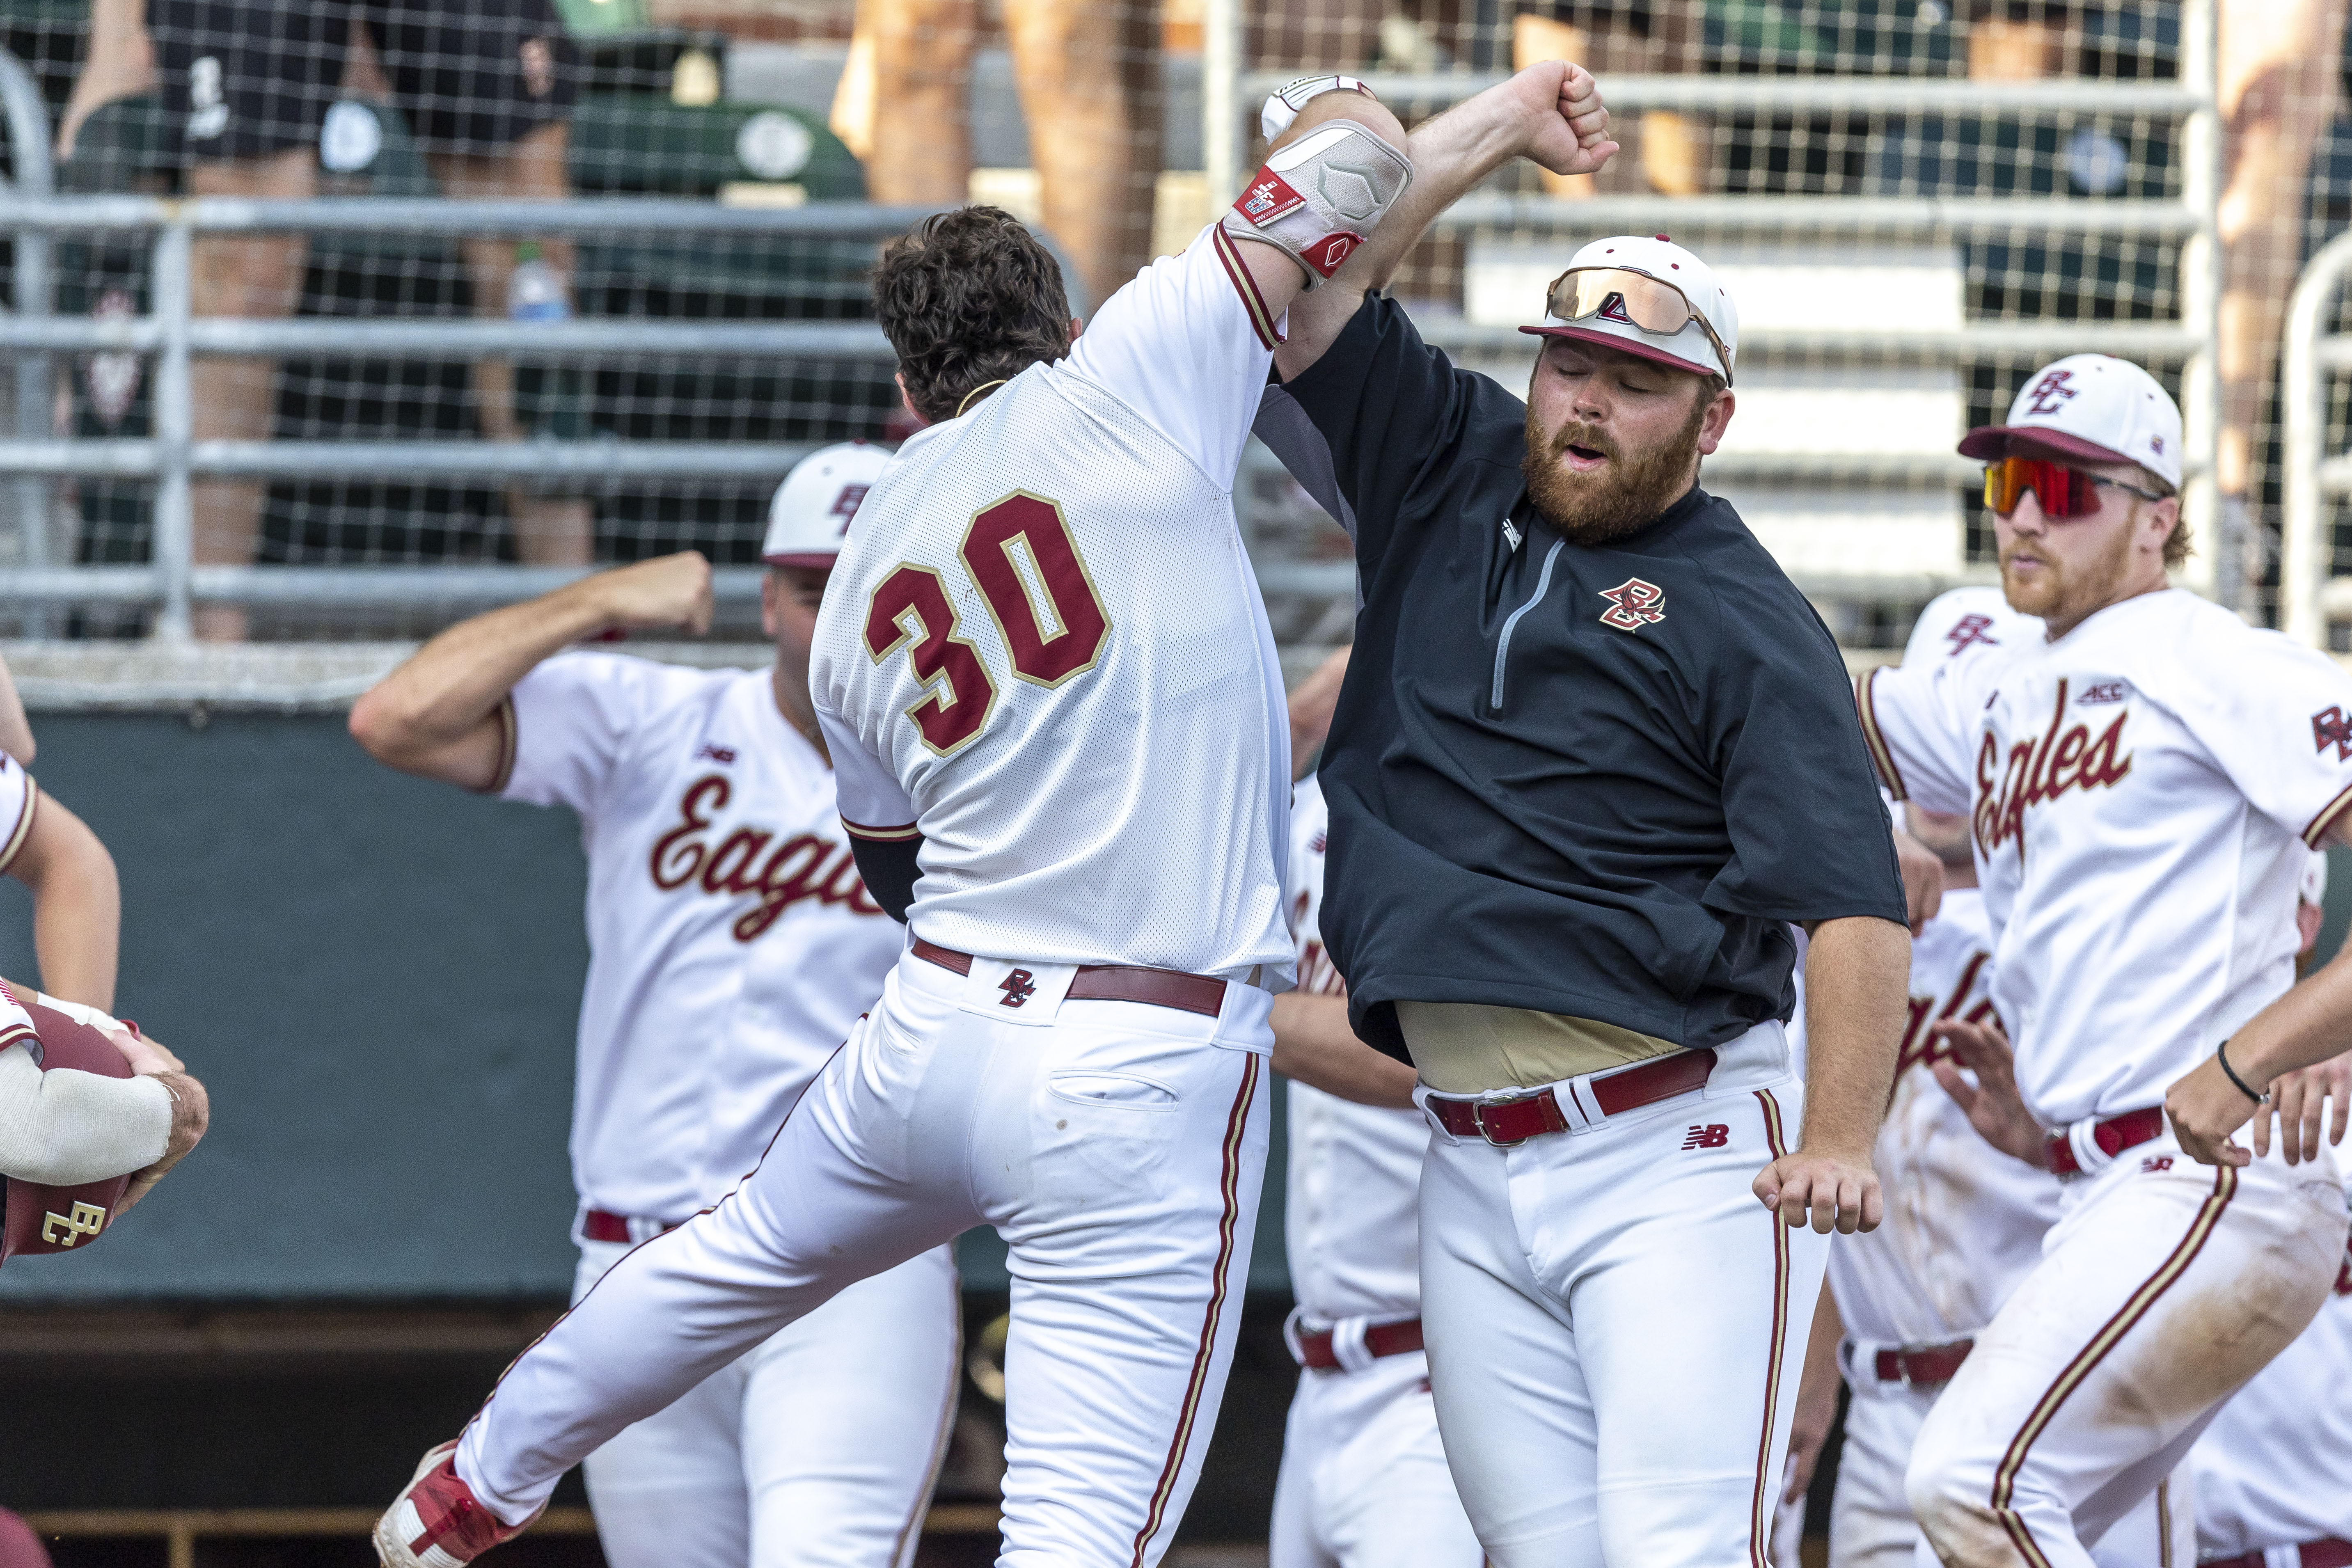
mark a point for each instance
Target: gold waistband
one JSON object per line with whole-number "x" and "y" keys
{"x": 1468, "y": 1047}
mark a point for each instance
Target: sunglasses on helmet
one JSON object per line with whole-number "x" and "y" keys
{"x": 2063, "y": 491}
{"x": 1640, "y": 301}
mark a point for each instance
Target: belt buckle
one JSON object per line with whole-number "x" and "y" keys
{"x": 1902, "y": 1369}
{"x": 1478, "y": 1119}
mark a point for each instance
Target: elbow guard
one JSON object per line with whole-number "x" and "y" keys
{"x": 1320, "y": 197}
{"x": 889, "y": 867}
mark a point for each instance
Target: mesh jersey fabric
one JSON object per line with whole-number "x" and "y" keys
{"x": 1128, "y": 807}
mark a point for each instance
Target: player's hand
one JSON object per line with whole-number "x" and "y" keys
{"x": 191, "y": 1115}
{"x": 668, "y": 591}
{"x": 1837, "y": 1192}
{"x": 2205, "y": 1108}
{"x": 147, "y": 1058}
{"x": 1923, "y": 878}
{"x": 1992, "y": 1104}
{"x": 1566, "y": 125}
{"x": 2301, "y": 1098}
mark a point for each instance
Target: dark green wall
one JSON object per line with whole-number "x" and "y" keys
{"x": 377, "y": 978}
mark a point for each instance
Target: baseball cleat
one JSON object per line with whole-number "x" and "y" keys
{"x": 435, "y": 1522}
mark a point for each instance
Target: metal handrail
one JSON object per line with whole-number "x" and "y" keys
{"x": 34, "y": 290}
{"x": 464, "y": 338}
{"x": 1912, "y": 216}
{"x": 2305, "y": 357}
{"x": 490, "y": 219}
{"x": 1946, "y": 345}
{"x": 2071, "y": 98}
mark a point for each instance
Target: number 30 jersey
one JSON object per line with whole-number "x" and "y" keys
{"x": 1044, "y": 650}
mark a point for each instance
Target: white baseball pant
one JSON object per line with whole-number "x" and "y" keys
{"x": 1871, "y": 1523}
{"x": 816, "y": 1448}
{"x": 1616, "y": 1327}
{"x": 1363, "y": 1482}
{"x": 2162, "y": 1289}
{"x": 1119, "y": 1148}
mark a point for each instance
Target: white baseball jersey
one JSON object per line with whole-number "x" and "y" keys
{"x": 2276, "y": 1467}
{"x": 2142, "y": 791}
{"x": 1964, "y": 1221}
{"x": 1352, "y": 1222}
{"x": 732, "y": 945}
{"x": 1959, "y": 622}
{"x": 1041, "y": 592}
{"x": 20, "y": 800}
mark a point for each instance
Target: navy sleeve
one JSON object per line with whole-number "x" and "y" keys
{"x": 1397, "y": 415}
{"x": 1800, "y": 803}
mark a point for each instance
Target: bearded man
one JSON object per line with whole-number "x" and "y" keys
{"x": 1593, "y": 758}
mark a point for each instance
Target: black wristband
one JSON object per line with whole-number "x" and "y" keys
{"x": 2221, "y": 1055}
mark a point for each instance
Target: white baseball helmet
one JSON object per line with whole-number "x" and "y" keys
{"x": 1706, "y": 340}
{"x": 1962, "y": 620}
{"x": 2091, "y": 408}
{"x": 810, "y": 517}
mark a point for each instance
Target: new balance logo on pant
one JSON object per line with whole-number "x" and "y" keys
{"x": 1714, "y": 1135}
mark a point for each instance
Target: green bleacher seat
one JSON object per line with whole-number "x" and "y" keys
{"x": 644, "y": 144}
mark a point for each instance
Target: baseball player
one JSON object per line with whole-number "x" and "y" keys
{"x": 1053, "y": 702}
{"x": 1561, "y": 882}
{"x": 2275, "y": 1469}
{"x": 1363, "y": 1481}
{"x": 1964, "y": 1221}
{"x": 732, "y": 948}
{"x": 2141, "y": 787}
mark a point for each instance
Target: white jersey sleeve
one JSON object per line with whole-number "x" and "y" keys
{"x": 874, "y": 804}
{"x": 1920, "y": 724}
{"x": 2276, "y": 716}
{"x": 1187, "y": 344}
{"x": 20, "y": 800}
{"x": 570, "y": 720}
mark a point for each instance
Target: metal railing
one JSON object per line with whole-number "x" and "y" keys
{"x": 1230, "y": 91}
{"x": 2310, "y": 593}
{"x": 172, "y": 458}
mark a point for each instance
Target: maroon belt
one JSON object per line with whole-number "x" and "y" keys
{"x": 1107, "y": 982}
{"x": 2113, "y": 1136}
{"x": 1507, "y": 1122}
{"x": 1922, "y": 1365}
{"x": 601, "y": 1225}
{"x": 1315, "y": 1351}
{"x": 2324, "y": 1553}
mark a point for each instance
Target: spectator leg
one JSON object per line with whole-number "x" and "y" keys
{"x": 2278, "y": 67}
{"x": 1089, "y": 78}
{"x": 240, "y": 275}
{"x": 922, "y": 62}
{"x": 550, "y": 531}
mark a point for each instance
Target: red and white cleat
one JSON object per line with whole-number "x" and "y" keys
{"x": 436, "y": 1522}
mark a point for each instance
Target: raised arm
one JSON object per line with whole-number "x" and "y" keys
{"x": 437, "y": 714}
{"x": 1550, "y": 112}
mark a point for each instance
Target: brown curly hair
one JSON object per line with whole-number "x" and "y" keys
{"x": 969, "y": 297}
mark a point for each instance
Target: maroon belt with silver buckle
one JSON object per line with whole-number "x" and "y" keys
{"x": 1507, "y": 1122}
{"x": 2113, "y": 1136}
{"x": 1315, "y": 1351}
{"x": 1113, "y": 982}
{"x": 602, "y": 1224}
{"x": 1915, "y": 1366}
{"x": 2325, "y": 1553}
